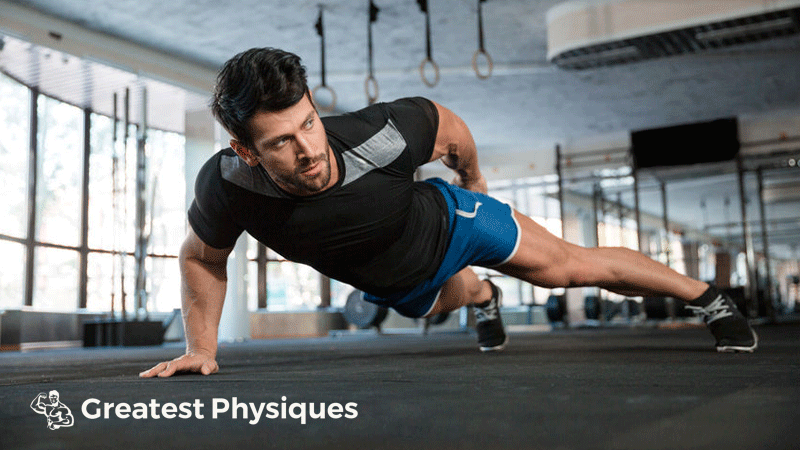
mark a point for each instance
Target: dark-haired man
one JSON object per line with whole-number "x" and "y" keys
{"x": 338, "y": 194}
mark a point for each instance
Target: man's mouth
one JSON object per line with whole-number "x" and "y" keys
{"x": 312, "y": 170}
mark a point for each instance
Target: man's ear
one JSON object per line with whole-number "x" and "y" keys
{"x": 245, "y": 153}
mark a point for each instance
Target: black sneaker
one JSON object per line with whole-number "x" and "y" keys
{"x": 488, "y": 323}
{"x": 725, "y": 321}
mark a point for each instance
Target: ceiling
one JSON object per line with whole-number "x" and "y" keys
{"x": 517, "y": 116}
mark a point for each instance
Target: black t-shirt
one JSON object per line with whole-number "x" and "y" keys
{"x": 375, "y": 229}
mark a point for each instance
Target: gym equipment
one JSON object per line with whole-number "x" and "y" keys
{"x": 115, "y": 332}
{"x": 362, "y": 313}
{"x": 665, "y": 307}
{"x": 556, "y": 308}
{"x": 428, "y": 61}
{"x": 481, "y": 49}
{"x": 371, "y": 84}
{"x": 591, "y": 306}
{"x": 323, "y": 86}
{"x": 679, "y": 145}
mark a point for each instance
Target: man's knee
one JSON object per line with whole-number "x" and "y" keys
{"x": 588, "y": 267}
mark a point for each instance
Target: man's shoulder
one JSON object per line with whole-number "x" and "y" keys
{"x": 357, "y": 126}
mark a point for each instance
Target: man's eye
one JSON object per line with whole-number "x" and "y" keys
{"x": 309, "y": 124}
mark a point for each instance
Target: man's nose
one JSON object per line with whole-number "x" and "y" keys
{"x": 304, "y": 148}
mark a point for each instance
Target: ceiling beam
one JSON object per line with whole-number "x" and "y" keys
{"x": 45, "y": 30}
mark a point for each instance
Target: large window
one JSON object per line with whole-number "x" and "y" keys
{"x": 56, "y": 280}
{"x": 166, "y": 193}
{"x": 12, "y": 274}
{"x": 55, "y": 271}
{"x": 59, "y": 177}
{"x": 14, "y": 154}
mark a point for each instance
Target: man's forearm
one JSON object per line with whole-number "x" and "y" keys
{"x": 203, "y": 294}
{"x": 463, "y": 159}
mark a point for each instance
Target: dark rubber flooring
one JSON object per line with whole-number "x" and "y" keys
{"x": 574, "y": 389}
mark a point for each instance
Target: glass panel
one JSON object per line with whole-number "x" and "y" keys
{"x": 12, "y": 274}
{"x": 166, "y": 192}
{"x": 14, "y": 141}
{"x": 164, "y": 284}
{"x": 101, "y": 207}
{"x": 99, "y": 279}
{"x": 276, "y": 287}
{"x": 292, "y": 286}
{"x": 252, "y": 286}
{"x": 56, "y": 280}
{"x": 58, "y": 195}
{"x": 339, "y": 293}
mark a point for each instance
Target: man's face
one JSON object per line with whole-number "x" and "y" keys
{"x": 53, "y": 396}
{"x": 292, "y": 147}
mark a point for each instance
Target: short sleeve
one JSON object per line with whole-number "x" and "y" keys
{"x": 210, "y": 213}
{"x": 418, "y": 121}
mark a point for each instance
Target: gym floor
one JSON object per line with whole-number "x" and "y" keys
{"x": 569, "y": 389}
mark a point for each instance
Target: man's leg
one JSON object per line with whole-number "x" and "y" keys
{"x": 548, "y": 261}
{"x": 464, "y": 289}
{"x": 545, "y": 260}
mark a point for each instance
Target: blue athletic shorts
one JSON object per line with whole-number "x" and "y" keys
{"x": 483, "y": 232}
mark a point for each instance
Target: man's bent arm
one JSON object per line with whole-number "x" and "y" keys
{"x": 456, "y": 148}
{"x": 203, "y": 284}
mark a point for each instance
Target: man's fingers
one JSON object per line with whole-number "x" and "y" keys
{"x": 168, "y": 371}
{"x": 153, "y": 371}
{"x": 208, "y": 368}
{"x": 184, "y": 363}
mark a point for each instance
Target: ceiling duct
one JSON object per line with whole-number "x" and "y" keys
{"x": 782, "y": 192}
{"x": 585, "y": 34}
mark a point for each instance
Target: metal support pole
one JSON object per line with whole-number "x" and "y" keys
{"x": 325, "y": 291}
{"x": 560, "y": 172}
{"x": 664, "y": 207}
{"x": 114, "y": 209}
{"x": 124, "y": 253}
{"x": 638, "y": 212}
{"x": 597, "y": 198}
{"x": 625, "y": 310}
{"x": 33, "y": 169}
{"x": 261, "y": 262}
{"x": 765, "y": 239}
{"x": 140, "y": 251}
{"x": 84, "y": 253}
{"x": 746, "y": 238}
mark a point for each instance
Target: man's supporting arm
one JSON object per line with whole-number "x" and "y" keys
{"x": 203, "y": 284}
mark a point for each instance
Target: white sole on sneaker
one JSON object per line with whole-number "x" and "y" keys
{"x": 739, "y": 348}
{"x": 496, "y": 348}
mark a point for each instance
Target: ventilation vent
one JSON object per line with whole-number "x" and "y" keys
{"x": 583, "y": 35}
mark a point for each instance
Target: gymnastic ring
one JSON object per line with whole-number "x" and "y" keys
{"x": 328, "y": 108}
{"x": 425, "y": 80}
{"x": 489, "y": 63}
{"x": 371, "y": 82}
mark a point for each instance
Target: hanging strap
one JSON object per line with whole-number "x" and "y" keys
{"x": 481, "y": 49}
{"x": 324, "y": 86}
{"x": 371, "y": 84}
{"x": 423, "y": 5}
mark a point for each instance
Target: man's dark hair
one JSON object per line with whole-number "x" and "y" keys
{"x": 256, "y": 80}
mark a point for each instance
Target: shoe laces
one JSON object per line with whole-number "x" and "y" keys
{"x": 486, "y": 313}
{"x": 718, "y": 309}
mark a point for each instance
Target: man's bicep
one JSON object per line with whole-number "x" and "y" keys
{"x": 451, "y": 133}
{"x": 194, "y": 248}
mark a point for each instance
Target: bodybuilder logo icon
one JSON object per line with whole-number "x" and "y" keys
{"x": 57, "y": 413}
